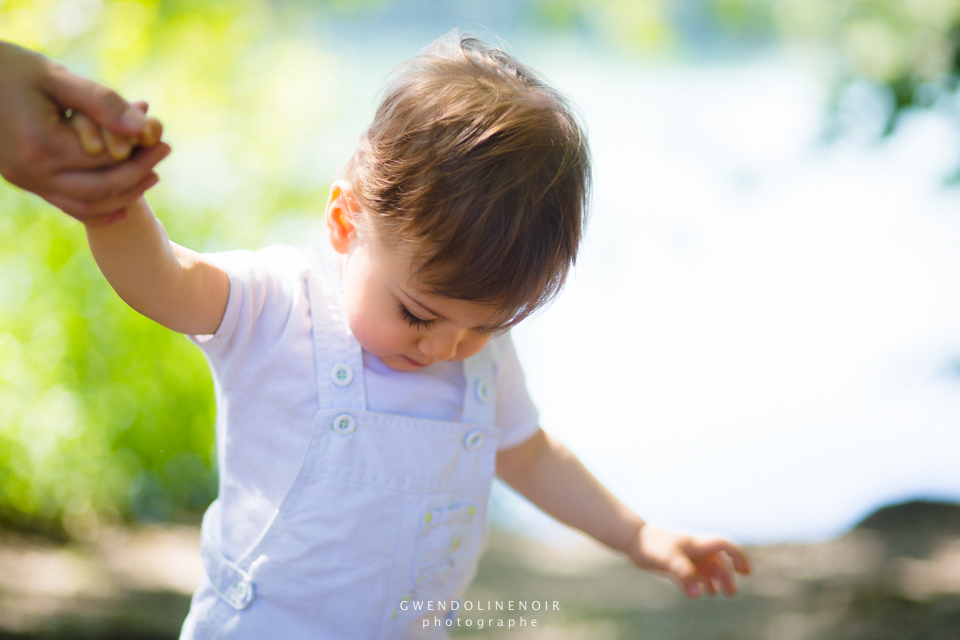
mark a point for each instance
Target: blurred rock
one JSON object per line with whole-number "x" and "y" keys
{"x": 914, "y": 528}
{"x": 895, "y": 576}
{"x": 127, "y": 583}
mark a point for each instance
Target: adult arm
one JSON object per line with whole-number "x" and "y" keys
{"x": 165, "y": 282}
{"x": 549, "y": 475}
{"x": 40, "y": 153}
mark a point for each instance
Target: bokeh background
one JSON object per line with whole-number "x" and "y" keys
{"x": 762, "y": 336}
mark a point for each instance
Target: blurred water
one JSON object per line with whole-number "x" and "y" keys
{"x": 762, "y": 333}
{"x": 775, "y": 320}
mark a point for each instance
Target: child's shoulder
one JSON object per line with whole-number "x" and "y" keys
{"x": 277, "y": 260}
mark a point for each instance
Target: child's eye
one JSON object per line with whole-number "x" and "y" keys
{"x": 412, "y": 320}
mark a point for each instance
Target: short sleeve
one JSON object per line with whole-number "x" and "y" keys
{"x": 264, "y": 289}
{"x": 517, "y": 417}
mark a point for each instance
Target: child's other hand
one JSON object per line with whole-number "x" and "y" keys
{"x": 700, "y": 565}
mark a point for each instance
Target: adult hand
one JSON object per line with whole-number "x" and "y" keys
{"x": 41, "y": 153}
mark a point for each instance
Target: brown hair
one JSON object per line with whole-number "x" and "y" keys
{"x": 485, "y": 168}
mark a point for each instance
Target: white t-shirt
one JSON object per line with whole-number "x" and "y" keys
{"x": 263, "y": 370}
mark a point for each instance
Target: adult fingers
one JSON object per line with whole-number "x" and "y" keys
{"x": 105, "y": 184}
{"x": 105, "y": 211}
{"x": 102, "y": 104}
{"x": 106, "y": 218}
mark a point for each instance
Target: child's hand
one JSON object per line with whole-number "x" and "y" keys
{"x": 95, "y": 139}
{"x": 699, "y": 564}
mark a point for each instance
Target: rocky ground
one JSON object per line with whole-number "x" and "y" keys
{"x": 895, "y": 576}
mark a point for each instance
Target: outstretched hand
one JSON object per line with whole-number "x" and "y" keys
{"x": 40, "y": 151}
{"x": 699, "y": 564}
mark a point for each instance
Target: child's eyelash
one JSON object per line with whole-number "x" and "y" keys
{"x": 413, "y": 320}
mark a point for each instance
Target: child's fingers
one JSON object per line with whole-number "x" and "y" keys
{"x": 739, "y": 557}
{"x": 88, "y": 132}
{"x": 149, "y": 136}
{"x": 118, "y": 146}
{"x": 711, "y": 546}
{"x": 691, "y": 581}
{"x": 710, "y": 586}
{"x": 741, "y": 562}
{"x": 719, "y": 571}
{"x": 152, "y": 132}
{"x": 152, "y": 129}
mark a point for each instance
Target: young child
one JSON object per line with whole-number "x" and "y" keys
{"x": 367, "y": 394}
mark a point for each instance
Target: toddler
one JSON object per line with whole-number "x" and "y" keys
{"x": 367, "y": 392}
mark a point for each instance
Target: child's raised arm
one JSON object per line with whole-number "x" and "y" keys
{"x": 550, "y": 476}
{"x": 163, "y": 281}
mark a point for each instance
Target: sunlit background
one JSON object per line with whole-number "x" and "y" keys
{"x": 762, "y": 336}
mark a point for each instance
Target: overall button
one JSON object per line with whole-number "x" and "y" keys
{"x": 344, "y": 424}
{"x": 342, "y": 375}
{"x": 242, "y": 594}
{"x": 474, "y": 439}
{"x": 483, "y": 391}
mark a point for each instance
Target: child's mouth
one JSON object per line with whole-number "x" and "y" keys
{"x": 413, "y": 362}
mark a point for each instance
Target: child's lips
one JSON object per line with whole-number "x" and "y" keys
{"x": 413, "y": 362}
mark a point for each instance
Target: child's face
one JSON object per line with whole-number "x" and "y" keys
{"x": 389, "y": 314}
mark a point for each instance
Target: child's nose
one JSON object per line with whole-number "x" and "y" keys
{"x": 441, "y": 346}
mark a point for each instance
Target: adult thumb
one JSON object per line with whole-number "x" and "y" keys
{"x": 101, "y": 103}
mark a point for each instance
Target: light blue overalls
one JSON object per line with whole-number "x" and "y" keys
{"x": 386, "y": 511}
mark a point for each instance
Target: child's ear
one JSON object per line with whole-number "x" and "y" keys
{"x": 342, "y": 210}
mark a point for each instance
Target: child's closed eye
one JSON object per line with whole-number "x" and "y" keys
{"x": 412, "y": 320}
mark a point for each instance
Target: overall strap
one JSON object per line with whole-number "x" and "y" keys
{"x": 229, "y": 580}
{"x": 478, "y": 399}
{"x": 337, "y": 354}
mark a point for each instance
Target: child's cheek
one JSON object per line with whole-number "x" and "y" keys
{"x": 377, "y": 337}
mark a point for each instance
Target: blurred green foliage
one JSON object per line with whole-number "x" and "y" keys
{"x": 105, "y": 416}
{"x": 908, "y": 49}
